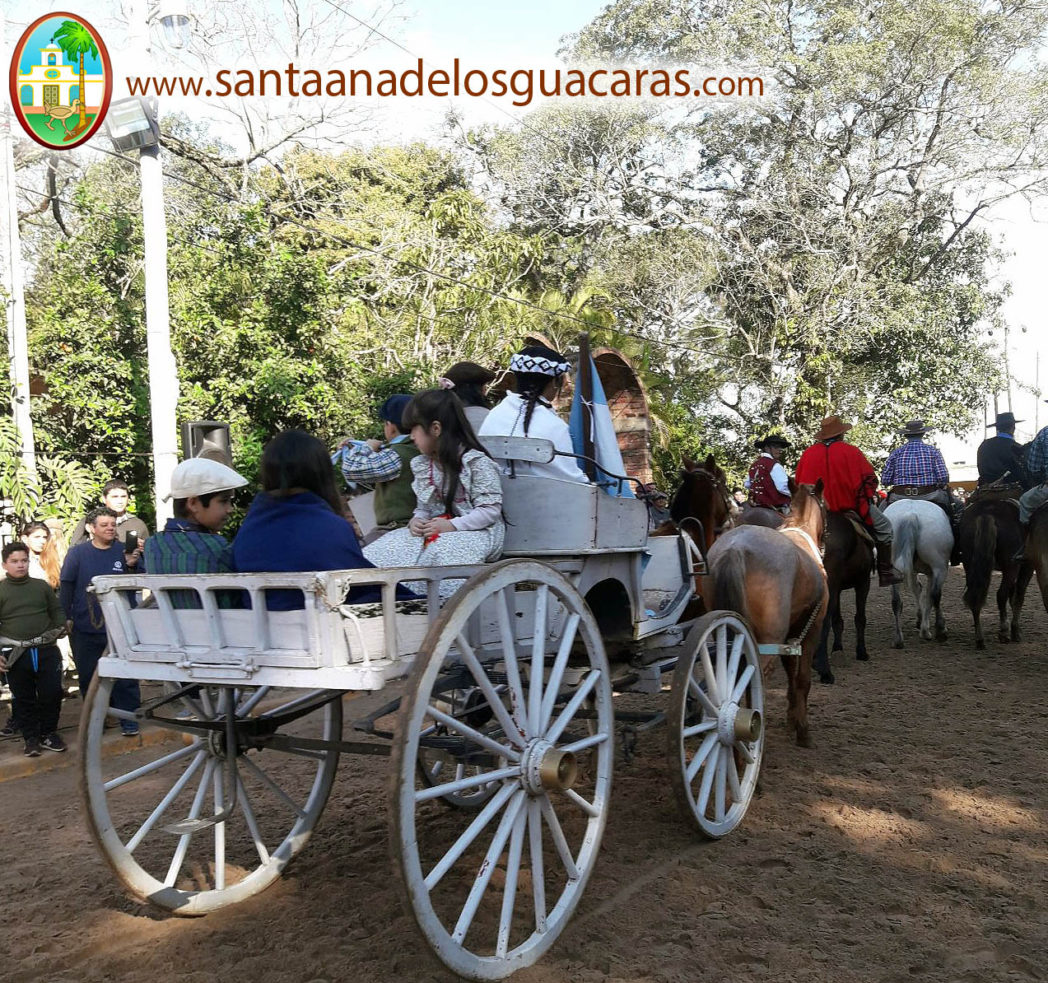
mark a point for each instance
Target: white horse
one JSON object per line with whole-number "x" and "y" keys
{"x": 922, "y": 545}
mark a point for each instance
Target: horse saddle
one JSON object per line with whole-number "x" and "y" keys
{"x": 996, "y": 493}
{"x": 861, "y": 529}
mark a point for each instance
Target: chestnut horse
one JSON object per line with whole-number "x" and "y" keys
{"x": 1036, "y": 558}
{"x": 990, "y": 535}
{"x": 775, "y": 580}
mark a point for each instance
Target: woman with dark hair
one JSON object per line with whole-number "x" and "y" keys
{"x": 458, "y": 519}
{"x": 539, "y": 373}
{"x": 470, "y": 382}
{"x": 296, "y": 522}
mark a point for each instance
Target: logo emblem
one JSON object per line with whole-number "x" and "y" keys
{"x": 61, "y": 81}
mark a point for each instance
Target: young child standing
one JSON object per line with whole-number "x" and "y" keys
{"x": 31, "y": 619}
{"x": 458, "y": 519}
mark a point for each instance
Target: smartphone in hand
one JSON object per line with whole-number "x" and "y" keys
{"x": 131, "y": 542}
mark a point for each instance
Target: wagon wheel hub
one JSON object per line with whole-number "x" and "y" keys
{"x": 735, "y": 723}
{"x": 544, "y": 767}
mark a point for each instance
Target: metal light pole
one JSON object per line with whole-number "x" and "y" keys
{"x": 163, "y": 372}
{"x": 13, "y": 284}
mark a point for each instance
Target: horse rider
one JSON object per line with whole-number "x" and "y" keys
{"x": 850, "y": 483}
{"x": 917, "y": 470}
{"x": 768, "y": 483}
{"x": 1000, "y": 458}
{"x": 1037, "y": 471}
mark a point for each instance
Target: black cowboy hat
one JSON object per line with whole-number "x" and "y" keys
{"x": 1003, "y": 420}
{"x": 774, "y": 439}
{"x": 913, "y": 428}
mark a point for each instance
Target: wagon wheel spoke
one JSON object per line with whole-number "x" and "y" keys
{"x": 187, "y": 776}
{"x": 153, "y": 766}
{"x": 538, "y": 880}
{"x": 511, "y": 729}
{"x": 507, "y": 636}
{"x": 509, "y": 892}
{"x": 465, "y": 841}
{"x": 700, "y": 756}
{"x": 273, "y": 786}
{"x": 194, "y": 813}
{"x": 251, "y": 820}
{"x": 538, "y": 660}
{"x": 487, "y": 868}
{"x": 454, "y": 724}
{"x": 220, "y": 831}
{"x": 696, "y": 691}
{"x": 556, "y": 675}
{"x": 573, "y": 705}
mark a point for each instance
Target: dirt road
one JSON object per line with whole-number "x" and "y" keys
{"x": 910, "y": 844}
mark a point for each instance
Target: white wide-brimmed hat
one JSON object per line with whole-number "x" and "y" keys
{"x": 200, "y": 476}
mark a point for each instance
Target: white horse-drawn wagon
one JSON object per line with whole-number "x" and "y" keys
{"x": 502, "y": 731}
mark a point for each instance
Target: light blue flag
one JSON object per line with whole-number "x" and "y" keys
{"x": 605, "y": 444}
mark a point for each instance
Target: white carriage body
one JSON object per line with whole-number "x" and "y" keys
{"x": 598, "y": 541}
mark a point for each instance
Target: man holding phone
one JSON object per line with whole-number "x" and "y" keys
{"x": 115, "y": 496}
{"x": 102, "y": 554}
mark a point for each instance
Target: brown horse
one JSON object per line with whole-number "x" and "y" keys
{"x": 990, "y": 535}
{"x": 849, "y": 563}
{"x": 775, "y": 580}
{"x": 703, "y": 495}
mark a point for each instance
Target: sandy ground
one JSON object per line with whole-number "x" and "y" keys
{"x": 910, "y": 844}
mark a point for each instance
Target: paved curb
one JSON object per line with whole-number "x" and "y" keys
{"x": 14, "y": 764}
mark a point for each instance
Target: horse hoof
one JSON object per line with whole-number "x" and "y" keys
{"x": 837, "y": 647}
{"x": 941, "y": 636}
{"x": 898, "y": 645}
{"x": 826, "y": 677}
{"x": 864, "y": 656}
{"x": 980, "y": 644}
{"x": 804, "y": 739}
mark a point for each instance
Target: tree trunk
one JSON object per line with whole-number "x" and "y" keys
{"x": 83, "y": 96}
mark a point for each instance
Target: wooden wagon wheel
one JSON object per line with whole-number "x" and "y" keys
{"x": 715, "y": 733}
{"x": 491, "y": 890}
{"x": 154, "y": 821}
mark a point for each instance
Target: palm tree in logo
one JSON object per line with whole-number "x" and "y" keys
{"x": 76, "y": 41}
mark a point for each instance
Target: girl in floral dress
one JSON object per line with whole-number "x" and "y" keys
{"x": 458, "y": 519}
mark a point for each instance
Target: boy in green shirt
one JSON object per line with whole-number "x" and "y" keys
{"x": 31, "y": 619}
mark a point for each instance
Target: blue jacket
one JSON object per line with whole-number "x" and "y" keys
{"x": 295, "y": 533}
{"x": 82, "y": 563}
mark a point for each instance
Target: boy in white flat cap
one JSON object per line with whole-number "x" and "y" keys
{"x": 190, "y": 542}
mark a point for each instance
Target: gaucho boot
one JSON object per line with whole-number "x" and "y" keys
{"x": 887, "y": 575}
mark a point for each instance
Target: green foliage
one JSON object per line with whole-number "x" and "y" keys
{"x": 59, "y": 488}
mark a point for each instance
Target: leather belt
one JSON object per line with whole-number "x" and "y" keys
{"x": 913, "y": 490}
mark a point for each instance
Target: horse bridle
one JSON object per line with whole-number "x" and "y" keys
{"x": 722, "y": 488}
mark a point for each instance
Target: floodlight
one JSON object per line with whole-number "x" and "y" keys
{"x": 132, "y": 124}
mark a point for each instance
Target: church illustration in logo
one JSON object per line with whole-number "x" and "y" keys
{"x": 61, "y": 80}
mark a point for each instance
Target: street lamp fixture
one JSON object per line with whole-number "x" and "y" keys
{"x": 174, "y": 19}
{"x": 132, "y": 124}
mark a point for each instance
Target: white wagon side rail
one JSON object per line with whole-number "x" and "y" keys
{"x": 232, "y": 638}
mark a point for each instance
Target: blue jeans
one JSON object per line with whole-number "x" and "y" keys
{"x": 88, "y": 648}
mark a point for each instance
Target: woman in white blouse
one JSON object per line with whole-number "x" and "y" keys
{"x": 539, "y": 373}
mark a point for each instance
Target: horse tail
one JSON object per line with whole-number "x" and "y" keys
{"x": 978, "y": 569}
{"x": 729, "y": 583}
{"x": 906, "y": 533}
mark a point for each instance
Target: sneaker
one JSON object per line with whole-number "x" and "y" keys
{"x": 9, "y": 729}
{"x": 54, "y": 742}
{"x": 32, "y": 749}
{"x": 129, "y": 729}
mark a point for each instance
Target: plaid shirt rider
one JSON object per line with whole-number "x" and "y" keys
{"x": 915, "y": 463}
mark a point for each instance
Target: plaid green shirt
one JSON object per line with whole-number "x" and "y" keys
{"x": 183, "y": 547}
